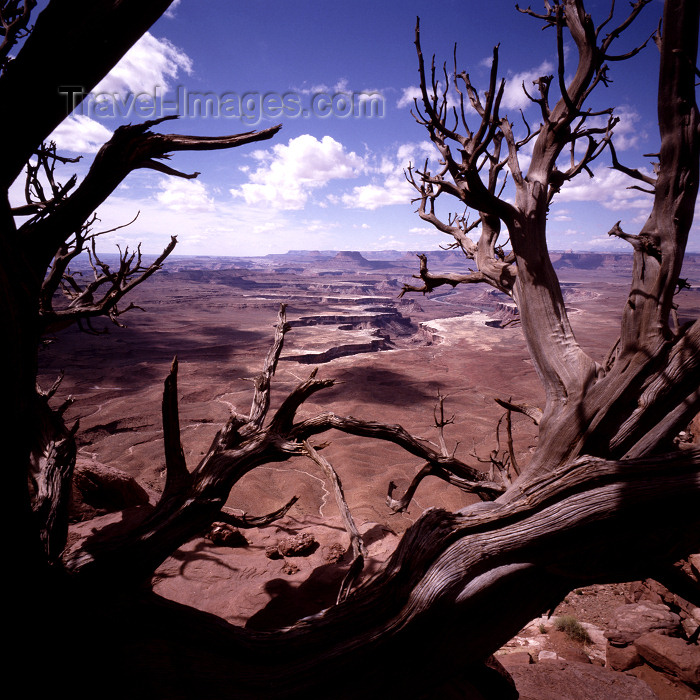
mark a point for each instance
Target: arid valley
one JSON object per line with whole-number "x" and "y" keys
{"x": 391, "y": 357}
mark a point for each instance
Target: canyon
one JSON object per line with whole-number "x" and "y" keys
{"x": 392, "y": 358}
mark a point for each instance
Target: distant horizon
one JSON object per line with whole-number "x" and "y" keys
{"x": 391, "y": 250}
{"x": 365, "y": 252}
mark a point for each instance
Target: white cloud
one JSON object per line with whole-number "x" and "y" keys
{"x": 184, "y": 195}
{"x": 170, "y": 12}
{"x": 388, "y": 243}
{"x": 150, "y": 63}
{"x": 390, "y": 186}
{"x": 626, "y": 133}
{"x": 374, "y": 196}
{"x": 608, "y": 187}
{"x": 408, "y": 95}
{"x": 412, "y": 93}
{"x": 609, "y": 242}
{"x": 201, "y": 226}
{"x": 341, "y": 85}
{"x": 514, "y": 96}
{"x": 287, "y": 175}
{"x": 80, "y": 134}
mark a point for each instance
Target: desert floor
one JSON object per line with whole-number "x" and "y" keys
{"x": 391, "y": 358}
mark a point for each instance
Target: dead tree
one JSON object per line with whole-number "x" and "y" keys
{"x": 68, "y": 44}
{"x": 631, "y": 406}
{"x": 604, "y": 497}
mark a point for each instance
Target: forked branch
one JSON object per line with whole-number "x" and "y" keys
{"x": 130, "y": 148}
{"x": 193, "y": 499}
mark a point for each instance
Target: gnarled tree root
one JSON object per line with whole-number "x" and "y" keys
{"x": 457, "y": 588}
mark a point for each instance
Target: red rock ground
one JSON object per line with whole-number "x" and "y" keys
{"x": 219, "y": 323}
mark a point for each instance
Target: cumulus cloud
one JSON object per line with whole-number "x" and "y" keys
{"x": 80, "y": 134}
{"x": 184, "y": 195}
{"x": 408, "y": 95}
{"x": 288, "y": 174}
{"x": 514, "y": 96}
{"x": 608, "y": 187}
{"x": 374, "y": 196}
{"x": 412, "y": 93}
{"x": 389, "y": 186}
{"x": 341, "y": 85}
{"x": 627, "y": 132}
{"x": 609, "y": 242}
{"x": 150, "y": 63}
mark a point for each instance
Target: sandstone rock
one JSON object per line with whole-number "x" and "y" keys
{"x": 299, "y": 545}
{"x": 694, "y": 560}
{"x": 546, "y": 655}
{"x": 272, "y": 552}
{"x": 226, "y": 535}
{"x": 672, "y": 655}
{"x": 655, "y": 592}
{"x": 555, "y": 680}
{"x": 595, "y": 634}
{"x": 572, "y": 653}
{"x": 690, "y": 626}
{"x": 629, "y": 622}
{"x": 665, "y": 686}
{"x": 694, "y": 429}
{"x": 622, "y": 658}
{"x": 105, "y": 488}
{"x": 290, "y": 568}
{"x": 334, "y": 553}
{"x": 648, "y": 590}
{"x": 515, "y": 658}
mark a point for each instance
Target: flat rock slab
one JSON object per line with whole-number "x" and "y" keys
{"x": 673, "y": 655}
{"x": 563, "y": 680}
{"x": 629, "y": 622}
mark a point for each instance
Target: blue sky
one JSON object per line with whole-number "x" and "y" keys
{"x": 333, "y": 177}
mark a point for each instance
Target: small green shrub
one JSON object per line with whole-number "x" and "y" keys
{"x": 573, "y": 629}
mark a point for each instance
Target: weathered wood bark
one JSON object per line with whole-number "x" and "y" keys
{"x": 458, "y": 587}
{"x": 589, "y": 409}
{"x": 53, "y": 57}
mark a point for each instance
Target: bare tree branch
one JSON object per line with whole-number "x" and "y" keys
{"x": 105, "y": 31}
{"x": 359, "y": 552}
{"x": 14, "y": 25}
{"x": 249, "y": 521}
{"x": 130, "y": 148}
{"x": 177, "y": 478}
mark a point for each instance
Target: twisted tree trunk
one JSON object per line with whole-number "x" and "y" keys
{"x": 458, "y": 587}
